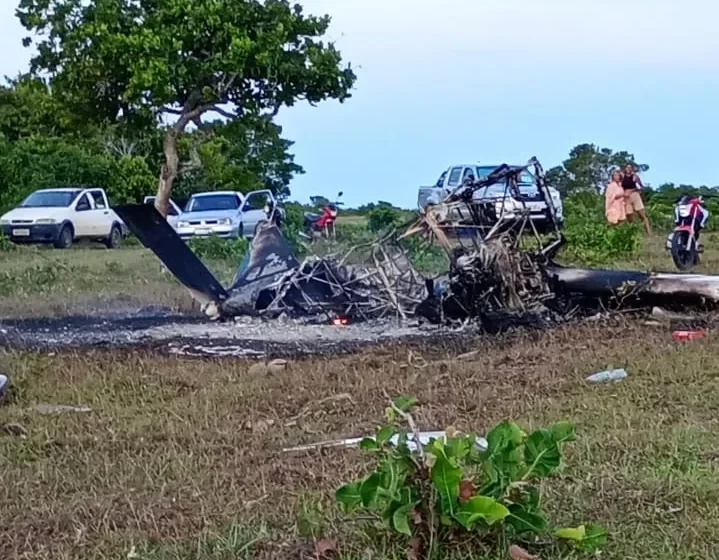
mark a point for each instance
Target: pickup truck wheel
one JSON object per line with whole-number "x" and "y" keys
{"x": 64, "y": 238}
{"x": 115, "y": 238}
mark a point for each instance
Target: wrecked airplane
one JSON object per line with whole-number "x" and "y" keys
{"x": 494, "y": 276}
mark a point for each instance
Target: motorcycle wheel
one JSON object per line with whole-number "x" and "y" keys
{"x": 683, "y": 259}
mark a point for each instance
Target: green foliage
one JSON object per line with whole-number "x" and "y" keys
{"x": 590, "y": 240}
{"x": 434, "y": 490}
{"x": 6, "y": 244}
{"x": 383, "y": 217}
{"x": 589, "y": 167}
{"x": 136, "y": 62}
{"x": 217, "y": 248}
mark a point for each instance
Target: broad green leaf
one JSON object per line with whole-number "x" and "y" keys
{"x": 368, "y": 489}
{"x": 349, "y": 496}
{"x": 485, "y": 508}
{"x": 524, "y": 521}
{"x": 504, "y": 437}
{"x": 384, "y": 434}
{"x": 575, "y": 534}
{"x": 400, "y": 519}
{"x": 542, "y": 454}
{"x": 405, "y": 403}
{"x": 564, "y": 431}
{"x": 459, "y": 447}
{"x": 368, "y": 444}
{"x": 446, "y": 478}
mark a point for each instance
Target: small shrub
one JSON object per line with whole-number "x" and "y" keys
{"x": 382, "y": 218}
{"x": 590, "y": 240}
{"x": 433, "y": 493}
{"x": 6, "y": 244}
{"x": 216, "y": 248}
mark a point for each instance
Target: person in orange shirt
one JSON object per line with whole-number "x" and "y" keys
{"x": 614, "y": 208}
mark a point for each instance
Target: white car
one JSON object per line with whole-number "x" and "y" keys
{"x": 173, "y": 210}
{"x": 62, "y": 216}
{"x": 226, "y": 214}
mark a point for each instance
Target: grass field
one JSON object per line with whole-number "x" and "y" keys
{"x": 182, "y": 458}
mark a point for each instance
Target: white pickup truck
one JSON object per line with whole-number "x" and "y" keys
{"x": 455, "y": 175}
{"x": 63, "y": 215}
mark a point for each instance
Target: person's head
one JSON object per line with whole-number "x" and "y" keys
{"x": 629, "y": 169}
{"x": 617, "y": 176}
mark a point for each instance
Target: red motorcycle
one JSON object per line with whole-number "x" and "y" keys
{"x": 323, "y": 223}
{"x": 690, "y": 217}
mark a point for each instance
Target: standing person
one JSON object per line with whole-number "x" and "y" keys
{"x": 631, "y": 183}
{"x": 614, "y": 200}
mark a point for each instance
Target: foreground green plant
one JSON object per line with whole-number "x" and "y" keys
{"x": 433, "y": 492}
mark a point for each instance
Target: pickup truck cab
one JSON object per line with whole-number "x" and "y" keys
{"x": 173, "y": 210}
{"x": 455, "y": 175}
{"x": 226, "y": 214}
{"x": 62, "y": 216}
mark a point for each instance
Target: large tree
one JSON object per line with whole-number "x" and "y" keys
{"x": 589, "y": 167}
{"x": 141, "y": 61}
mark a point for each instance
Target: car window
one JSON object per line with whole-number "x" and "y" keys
{"x": 440, "y": 181}
{"x": 212, "y": 202}
{"x": 171, "y": 208}
{"x": 98, "y": 199}
{"x": 50, "y": 199}
{"x": 256, "y": 201}
{"x": 484, "y": 171}
{"x": 83, "y": 203}
{"x": 454, "y": 176}
{"x": 468, "y": 174}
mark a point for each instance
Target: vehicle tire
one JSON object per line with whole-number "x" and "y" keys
{"x": 684, "y": 260}
{"x": 115, "y": 239}
{"x": 65, "y": 237}
{"x": 240, "y": 231}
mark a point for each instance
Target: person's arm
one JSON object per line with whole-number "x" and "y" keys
{"x": 638, "y": 181}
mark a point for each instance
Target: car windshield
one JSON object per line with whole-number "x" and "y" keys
{"x": 50, "y": 199}
{"x": 208, "y": 203}
{"x": 525, "y": 178}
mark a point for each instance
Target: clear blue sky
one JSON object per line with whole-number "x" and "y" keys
{"x": 445, "y": 81}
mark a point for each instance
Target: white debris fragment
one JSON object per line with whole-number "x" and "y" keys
{"x": 59, "y": 408}
{"x": 424, "y": 439}
{"x": 607, "y": 376}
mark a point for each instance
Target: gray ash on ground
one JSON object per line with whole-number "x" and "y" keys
{"x": 193, "y": 335}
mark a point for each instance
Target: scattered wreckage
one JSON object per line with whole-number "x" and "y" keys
{"x": 495, "y": 274}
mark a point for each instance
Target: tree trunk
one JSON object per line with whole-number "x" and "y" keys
{"x": 169, "y": 170}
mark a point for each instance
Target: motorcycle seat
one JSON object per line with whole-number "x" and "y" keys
{"x": 312, "y": 217}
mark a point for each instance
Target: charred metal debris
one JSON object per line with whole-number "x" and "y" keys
{"x": 500, "y": 268}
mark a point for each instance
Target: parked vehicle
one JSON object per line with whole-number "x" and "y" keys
{"x": 62, "y": 216}
{"x": 226, "y": 214}
{"x": 690, "y": 217}
{"x": 324, "y": 222}
{"x": 506, "y": 204}
{"x": 173, "y": 210}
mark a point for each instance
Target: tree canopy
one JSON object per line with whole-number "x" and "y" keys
{"x": 138, "y": 62}
{"x": 589, "y": 167}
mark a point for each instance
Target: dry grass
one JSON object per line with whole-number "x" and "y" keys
{"x": 178, "y": 459}
{"x": 39, "y": 281}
